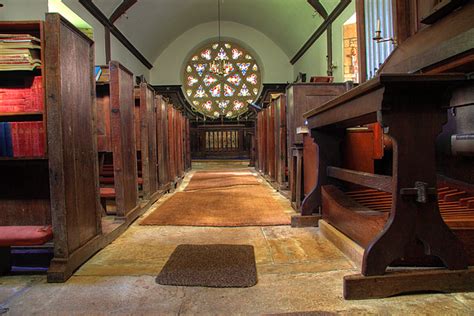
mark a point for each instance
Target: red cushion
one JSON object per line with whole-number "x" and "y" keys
{"x": 24, "y": 235}
{"x": 107, "y": 192}
{"x": 107, "y": 180}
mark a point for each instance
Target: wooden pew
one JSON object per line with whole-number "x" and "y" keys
{"x": 412, "y": 108}
{"x": 162, "y": 143}
{"x": 301, "y": 97}
{"x": 281, "y": 152}
{"x": 145, "y": 120}
{"x": 116, "y": 137}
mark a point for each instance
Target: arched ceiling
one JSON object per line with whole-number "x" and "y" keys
{"x": 151, "y": 25}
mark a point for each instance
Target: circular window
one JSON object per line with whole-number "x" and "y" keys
{"x": 221, "y": 79}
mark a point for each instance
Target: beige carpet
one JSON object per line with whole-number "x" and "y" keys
{"x": 234, "y": 205}
{"x": 215, "y": 180}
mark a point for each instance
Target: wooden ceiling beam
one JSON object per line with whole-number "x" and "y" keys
{"x": 97, "y": 13}
{"x": 121, "y": 10}
{"x": 321, "y": 29}
{"x": 316, "y": 4}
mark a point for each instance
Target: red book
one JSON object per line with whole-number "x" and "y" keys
{"x": 15, "y": 139}
{"x": 28, "y": 144}
{"x": 21, "y": 140}
{"x": 41, "y": 140}
{"x": 10, "y": 109}
{"x": 37, "y": 93}
{"x": 15, "y": 94}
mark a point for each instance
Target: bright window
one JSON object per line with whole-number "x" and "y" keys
{"x": 221, "y": 79}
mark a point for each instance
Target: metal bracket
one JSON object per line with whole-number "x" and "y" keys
{"x": 421, "y": 191}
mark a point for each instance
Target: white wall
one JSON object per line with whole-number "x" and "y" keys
{"x": 314, "y": 63}
{"x": 118, "y": 51}
{"x": 17, "y": 10}
{"x": 275, "y": 66}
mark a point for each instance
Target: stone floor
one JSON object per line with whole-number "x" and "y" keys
{"x": 298, "y": 271}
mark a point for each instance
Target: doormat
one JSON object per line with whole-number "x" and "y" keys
{"x": 215, "y": 265}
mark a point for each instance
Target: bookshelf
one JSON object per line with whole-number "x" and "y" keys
{"x": 22, "y": 99}
{"x": 58, "y": 187}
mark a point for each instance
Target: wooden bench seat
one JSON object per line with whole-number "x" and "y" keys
{"x": 20, "y": 236}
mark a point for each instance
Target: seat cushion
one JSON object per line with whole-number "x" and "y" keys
{"x": 25, "y": 235}
{"x": 107, "y": 192}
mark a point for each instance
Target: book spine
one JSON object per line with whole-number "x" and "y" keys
{"x": 21, "y": 139}
{"x": 28, "y": 146}
{"x": 38, "y": 93}
{"x": 8, "y": 140}
{"x": 3, "y": 148}
{"x": 42, "y": 139}
{"x": 15, "y": 139}
{"x": 35, "y": 135}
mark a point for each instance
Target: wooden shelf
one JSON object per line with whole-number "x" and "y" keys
{"x": 21, "y": 113}
{"x": 23, "y": 158}
{"x": 21, "y": 117}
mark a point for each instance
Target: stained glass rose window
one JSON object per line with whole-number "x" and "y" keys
{"x": 221, "y": 79}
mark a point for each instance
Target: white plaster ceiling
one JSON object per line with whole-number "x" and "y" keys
{"x": 151, "y": 25}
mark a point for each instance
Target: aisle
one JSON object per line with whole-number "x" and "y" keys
{"x": 222, "y": 198}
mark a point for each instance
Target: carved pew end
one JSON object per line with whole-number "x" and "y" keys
{"x": 357, "y": 286}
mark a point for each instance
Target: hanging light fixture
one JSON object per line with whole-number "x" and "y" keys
{"x": 220, "y": 67}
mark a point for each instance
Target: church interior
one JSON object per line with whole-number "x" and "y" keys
{"x": 247, "y": 157}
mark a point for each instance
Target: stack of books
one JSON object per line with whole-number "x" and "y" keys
{"x": 19, "y": 52}
{"x": 22, "y": 139}
{"x": 23, "y": 98}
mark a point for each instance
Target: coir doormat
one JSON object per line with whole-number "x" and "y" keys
{"x": 210, "y": 266}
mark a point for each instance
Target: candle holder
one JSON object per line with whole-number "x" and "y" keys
{"x": 379, "y": 39}
{"x": 378, "y": 36}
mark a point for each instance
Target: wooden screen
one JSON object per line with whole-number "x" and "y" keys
{"x": 221, "y": 141}
{"x": 123, "y": 138}
{"x": 74, "y": 186}
{"x": 218, "y": 141}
